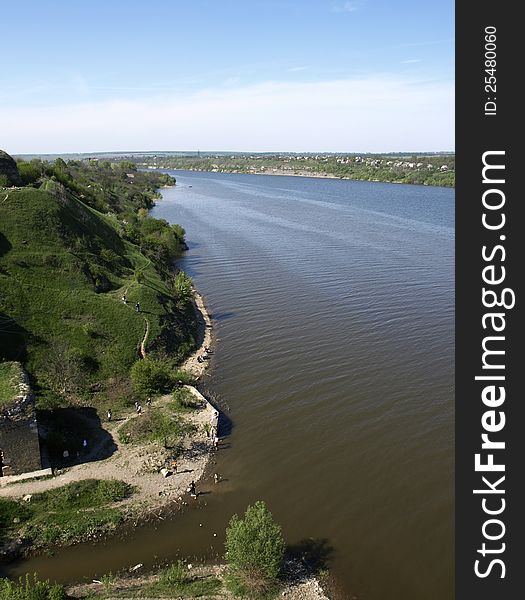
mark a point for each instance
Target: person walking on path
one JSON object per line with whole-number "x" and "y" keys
{"x": 193, "y": 490}
{"x": 137, "y": 307}
{"x": 124, "y": 299}
{"x": 139, "y": 409}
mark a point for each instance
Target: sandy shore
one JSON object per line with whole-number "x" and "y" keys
{"x": 277, "y": 172}
{"x": 204, "y": 334}
{"x": 300, "y": 586}
{"x": 138, "y": 464}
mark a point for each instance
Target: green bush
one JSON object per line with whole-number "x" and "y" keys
{"x": 255, "y": 551}
{"x": 180, "y": 376}
{"x": 175, "y": 575}
{"x": 177, "y": 580}
{"x": 30, "y": 588}
{"x": 183, "y": 288}
{"x": 185, "y": 399}
{"x": 179, "y": 231}
{"x": 151, "y": 376}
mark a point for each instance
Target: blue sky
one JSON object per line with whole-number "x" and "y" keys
{"x": 298, "y": 75}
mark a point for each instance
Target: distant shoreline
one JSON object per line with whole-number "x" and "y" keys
{"x": 303, "y": 174}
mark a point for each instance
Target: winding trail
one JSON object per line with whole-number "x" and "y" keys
{"x": 142, "y": 346}
{"x": 144, "y": 340}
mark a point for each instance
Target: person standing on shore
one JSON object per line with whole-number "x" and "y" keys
{"x": 193, "y": 489}
{"x": 110, "y": 414}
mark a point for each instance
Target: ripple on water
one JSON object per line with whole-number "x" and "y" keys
{"x": 334, "y": 312}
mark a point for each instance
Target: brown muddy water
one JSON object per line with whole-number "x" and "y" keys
{"x": 334, "y": 310}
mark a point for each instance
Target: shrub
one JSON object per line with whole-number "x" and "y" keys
{"x": 183, "y": 288}
{"x": 179, "y": 231}
{"x": 30, "y": 588}
{"x": 178, "y": 579}
{"x": 150, "y": 376}
{"x": 175, "y": 575}
{"x": 180, "y": 376}
{"x": 254, "y": 551}
{"x": 185, "y": 399}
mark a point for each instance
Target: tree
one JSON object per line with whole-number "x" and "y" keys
{"x": 128, "y": 166}
{"x": 183, "y": 288}
{"x": 179, "y": 231}
{"x": 254, "y": 550}
{"x": 150, "y": 377}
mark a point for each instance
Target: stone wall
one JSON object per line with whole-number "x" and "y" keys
{"x": 19, "y": 440}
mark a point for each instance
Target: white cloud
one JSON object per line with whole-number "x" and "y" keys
{"x": 411, "y": 61}
{"x": 296, "y": 69}
{"x": 349, "y": 6}
{"x": 377, "y": 114}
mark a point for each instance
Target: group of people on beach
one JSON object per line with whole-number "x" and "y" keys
{"x": 205, "y": 355}
{"x": 212, "y": 433}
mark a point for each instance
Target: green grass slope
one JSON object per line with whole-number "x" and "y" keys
{"x": 64, "y": 268}
{"x": 9, "y": 377}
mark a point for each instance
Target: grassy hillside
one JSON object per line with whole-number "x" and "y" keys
{"x": 64, "y": 267}
{"x": 9, "y": 377}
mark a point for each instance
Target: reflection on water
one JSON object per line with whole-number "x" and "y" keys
{"x": 333, "y": 303}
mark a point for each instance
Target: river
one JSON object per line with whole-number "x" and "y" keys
{"x": 334, "y": 309}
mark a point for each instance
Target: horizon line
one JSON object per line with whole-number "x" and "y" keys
{"x": 192, "y": 152}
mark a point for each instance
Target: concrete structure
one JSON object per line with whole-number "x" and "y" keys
{"x": 19, "y": 439}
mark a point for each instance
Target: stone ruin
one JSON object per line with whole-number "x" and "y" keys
{"x": 19, "y": 438}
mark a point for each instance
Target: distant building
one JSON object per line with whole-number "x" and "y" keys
{"x": 19, "y": 439}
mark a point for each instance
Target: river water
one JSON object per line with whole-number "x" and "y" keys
{"x": 334, "y": 309}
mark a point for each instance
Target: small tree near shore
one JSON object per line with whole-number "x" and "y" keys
{"x": 255, "y": 551}
{"x": 150, "y": 376}
{"x": 183, "y": 289}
